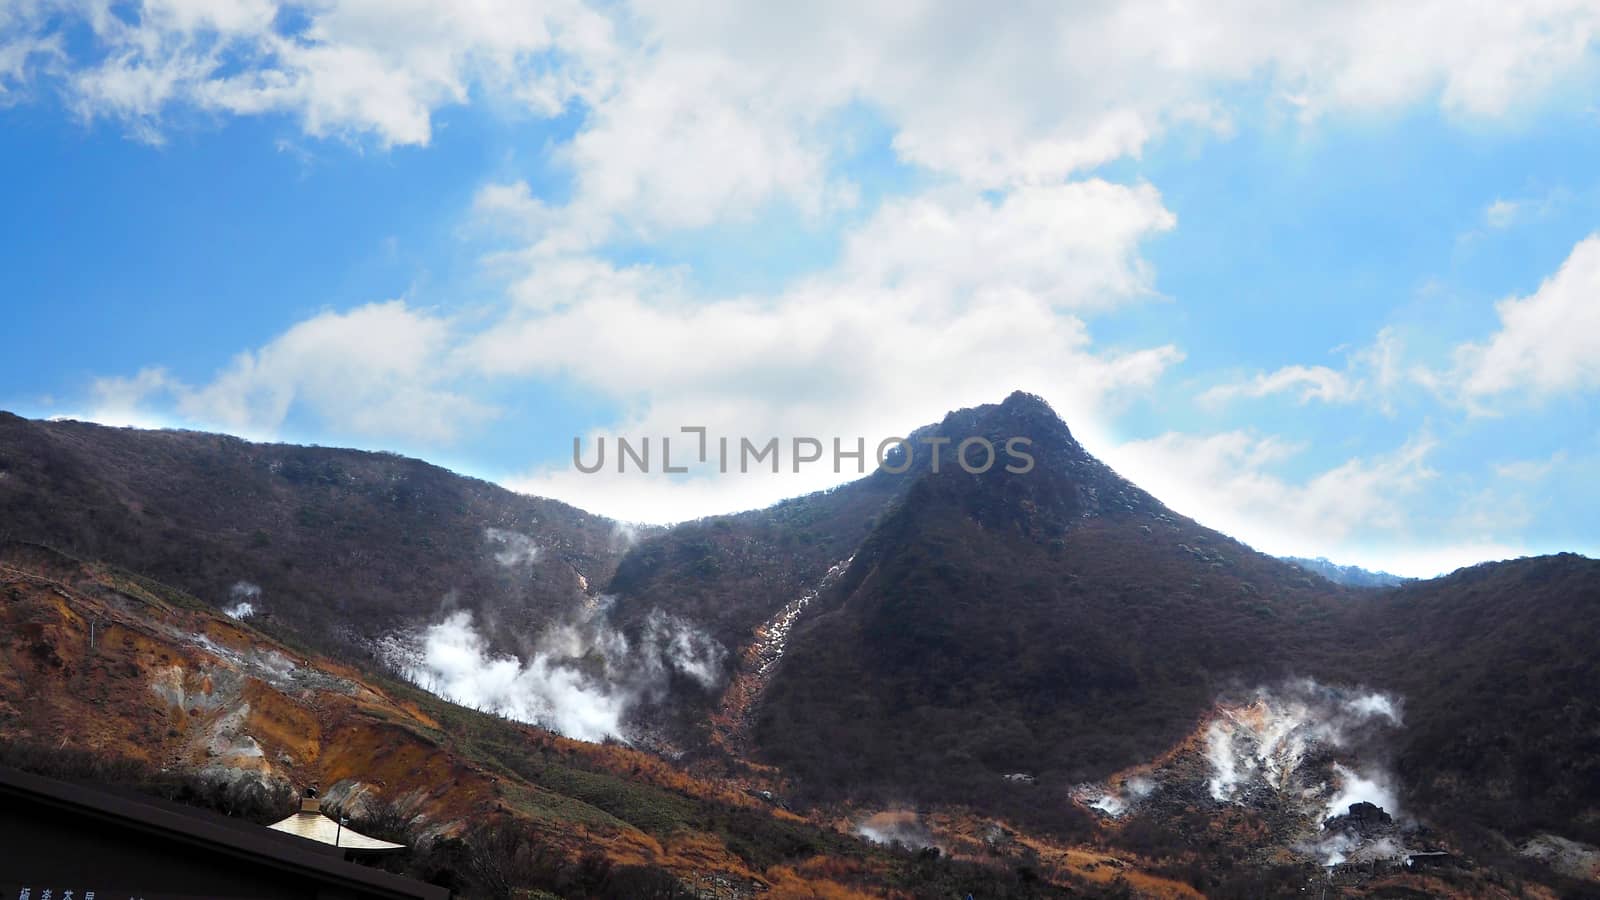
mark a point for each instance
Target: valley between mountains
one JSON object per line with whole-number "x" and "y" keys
{"x": 927, "y": 684}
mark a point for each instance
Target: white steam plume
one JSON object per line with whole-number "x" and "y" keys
{"x": 1265, "y": 742}
{"x": 1371, "y": 785}
{"x": 515, "y": 549}
{"x": 1116, "y": 802}
{"x": 624, "y": 534}
{"x": 456, "y": 664}
{"x": 579, "y": 678}
{"x": 896, "y": 826}
{"x": 244, "y": 596}
{"x": 684, "y": 647}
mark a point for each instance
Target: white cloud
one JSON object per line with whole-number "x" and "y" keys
{"x": 944, "y": 301}
{"x": 1364, "y": 511}
{"x": 1370, "y": 373}
{"x": 355, "y": 66}
{"x": 1071, "y": 245}
{"x": 1306, "y": 382}
{"x": 700, "y": 111}
{"x": 1229, "y": 481}
{"x": 510, "y": 205}
{"x": 1501, "y": 213}
{"x": 378, "y": 370}
{"x": 1506, "y": 213}
{"x": 1531, "y": 469}
{"x": 1420, "y": 559}
{"x": 728, "y": 108}
{"x": 123, "y": 401}
{"x": 1000, "y": 99}
{"x": 1548, "y": 343}
{"x": 18, "y": 57}
{"x": 938, "y": 302}
{"x": 691, "y": 139}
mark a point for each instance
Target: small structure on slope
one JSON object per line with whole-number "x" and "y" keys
{"x": 311, "y": 824}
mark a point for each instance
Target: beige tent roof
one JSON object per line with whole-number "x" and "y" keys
{"x": 311, "y": 824}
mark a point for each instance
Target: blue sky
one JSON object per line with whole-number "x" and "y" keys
{"x": 1331, "y": 298}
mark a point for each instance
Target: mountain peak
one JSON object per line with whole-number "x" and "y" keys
{"x": 1022, "y": 401}
{"x": 1015, "y": 466}
{"x": 1033, "y": 418}
{"x": 1019, "y": 415}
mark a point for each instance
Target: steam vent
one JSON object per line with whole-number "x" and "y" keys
{"x": 310, "y": 823}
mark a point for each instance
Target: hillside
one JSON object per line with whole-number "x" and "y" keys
{"x": 1498, "y": 666}
{"x": 168, "y": 697}
{"x": 1060, "y": 623}
{"x": 1064, "y": 624}
{"x": 335, "y": 547}
{"x": 969, "y": 661}
{"x": 731, "y": 573}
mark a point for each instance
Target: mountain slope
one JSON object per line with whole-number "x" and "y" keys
{"x": 164, "y": 691}
{"x": 912, "y": 637}
{"x": 333, "y": 546}
{"x": 731, "y": 573}
{"x": 1059, "y": 622}
{"x": 1498, "y": 666}
{"x": 1063, "y": 624}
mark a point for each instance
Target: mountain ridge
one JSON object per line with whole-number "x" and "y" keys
{"x": 1347, "y": 575}
{"x": 322, "y": 534}
{"x": 984, "y": 641}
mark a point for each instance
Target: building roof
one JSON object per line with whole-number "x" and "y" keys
{"x": 155, "y": 830}
{"x": 311, "y": 824}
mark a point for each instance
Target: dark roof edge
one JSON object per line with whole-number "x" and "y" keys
{"x": 270, "y": 848}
